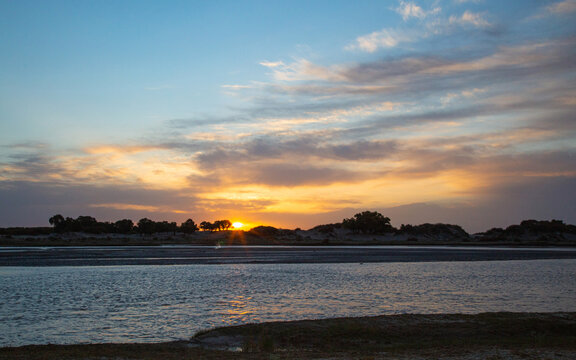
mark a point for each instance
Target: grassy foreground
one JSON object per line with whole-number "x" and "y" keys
{"x": 484, "y": 336}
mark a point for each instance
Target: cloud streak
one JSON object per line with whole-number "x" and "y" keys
{"x": 470, "y": 18}
{"x": 563, "y": 7}
{"x": 433, "y": 23}
{"x": 409, "y": 10}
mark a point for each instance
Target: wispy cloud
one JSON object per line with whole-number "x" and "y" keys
{"x": 303, "y": 69}
{"x": 410, "y": 78}
{"x": 385, "y": 38}
{"x": 470, "y": 18}
{"x": 117, "y": 149}
{"x": 432, "y": 22}
{"x": 236, "y": 86}
{"x": 121, "y": 206}
{"x": 563, "y": 7}
{"x": 559, "y": 9}
{"x": 451, "y": 97}
{"x": 468, "y": 1}
{"x": 409, "y": 10}
{"x": 272, "y": 64}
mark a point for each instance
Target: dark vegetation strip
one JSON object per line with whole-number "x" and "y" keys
{"x": 367, "y": 223}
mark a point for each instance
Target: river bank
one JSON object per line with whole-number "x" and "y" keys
{"x": 211, "y": 255}
{"x": 410, "y": 337}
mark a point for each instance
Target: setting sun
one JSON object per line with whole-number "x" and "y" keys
{"x": 237, "y": 225}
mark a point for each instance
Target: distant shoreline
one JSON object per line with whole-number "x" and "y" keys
{"x": 366, "y": 228}
{"x": 293, "y": 238}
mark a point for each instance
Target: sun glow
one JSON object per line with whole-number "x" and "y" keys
{"x": 237, "y": 225}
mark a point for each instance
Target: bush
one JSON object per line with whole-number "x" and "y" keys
{"x": 368, "y": 222}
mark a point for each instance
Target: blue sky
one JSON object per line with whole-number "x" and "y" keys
{"x": 289, "y": 113}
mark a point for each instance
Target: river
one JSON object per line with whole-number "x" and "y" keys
{"x": 148, "y": 303}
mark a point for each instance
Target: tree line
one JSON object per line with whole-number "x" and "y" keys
{"x": 372, "y": 222}
{"x": 89, "y": 224}
{"x": 366, "y": 222}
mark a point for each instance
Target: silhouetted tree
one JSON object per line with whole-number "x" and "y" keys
{"x": 58, "y": 222}
{"x": 71, "y": 224}
{"x": 86, "y": 221}
{"x": 222, "y": 225}
{"x": 207, "y": 226}
{"x": 86, "y": 224}
{"x": 188, "y": 227}
{"x": 165, "y": 226}
{"x": 368, "y": 222}
{"x": 124, "y": 226}
{"x": 146, "y": 226}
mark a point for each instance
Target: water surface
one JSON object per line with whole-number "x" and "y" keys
{"x": 149, "y": 303}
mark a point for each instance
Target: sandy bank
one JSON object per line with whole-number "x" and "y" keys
{"x": 182, "y": 255}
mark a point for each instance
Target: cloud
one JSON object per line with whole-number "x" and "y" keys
{"x": 236, "y": 86}
{"x": 302, "y": 69}
{"x": 123, "y": 206}
{"x": 470, "y": 18}
{"x": 487, "y": 166}
{"x": 157, "y": 166}
{"x": 207, "y": 120}
{"x": 116, "y": 149}
{"x": 239, "y": 163}
{"x": 320, "y": 95}
{"x": 468, "y": 1}
{"x": 28, "y": 203}
{"x": 390, "y": 69}
{"x": 529, "y": 58}
{"x": 362, "y": 150}
{"x": 410, "y": 77}
{"x": 272, "y": 64}
{"x": 303, "y": 148}
{"x": 408, "y": 9}
{"x": 286, "y": 174}
{"x": 432, "y": 23}
{"x": 32, "y": 166}
{"x": 385, "y": 38}
{"x": 562, "y": 8}
{"x": 28, "y": 145}
{"x": 451, "y": 97}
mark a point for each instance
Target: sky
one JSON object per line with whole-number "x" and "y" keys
{"x": 288, "y": 113}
